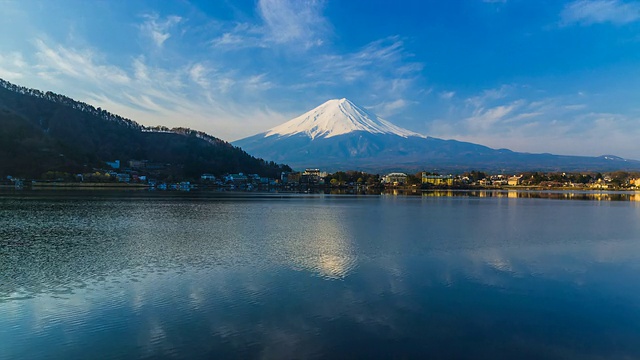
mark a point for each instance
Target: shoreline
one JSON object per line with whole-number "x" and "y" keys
{"x": 86, "y": 186}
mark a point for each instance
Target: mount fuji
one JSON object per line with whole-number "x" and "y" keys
{"x": 340, "y": 135}
{"x": 338, "y": 117}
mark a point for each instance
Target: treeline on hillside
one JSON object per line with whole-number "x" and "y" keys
{"x": 44, "y": 132}
{"x": 67, "y": 101}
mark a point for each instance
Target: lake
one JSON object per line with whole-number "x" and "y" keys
{"x": 476, "y": 275}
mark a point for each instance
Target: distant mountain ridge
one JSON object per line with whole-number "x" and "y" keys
{"x": 44, "y": 131}
{"x": 340, "y": 135}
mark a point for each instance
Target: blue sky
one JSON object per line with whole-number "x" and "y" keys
{"x": 528, "y": 75}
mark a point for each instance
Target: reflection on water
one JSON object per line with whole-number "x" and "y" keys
{"x": 76, "y": 241}
{"x": 523, "y": 194}
{"x": 326, "y": 249}
{"x": 453, "y": 274}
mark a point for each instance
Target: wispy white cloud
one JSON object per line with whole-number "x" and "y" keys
{"x": 384, "y": 67}
{"x": 297, "y": 25}
{"x": 228, "y": 39}
{"x": 78, "y": 64}
{"x": 157, "y": 28}
{"x": 199, "y": 74}
{"x": 140, "y": 70}
{"x": 484, "y": 119}
{"x": 575, "y": 106}
{"x": 387, "y": 50}
{"x": 389, "y": 108}
{"x": 384, "y": 60}
{"x": 488, "y": 95}
{"x": 447, "y": 95}
{"x": 298, "y": 22}
{"x": 589, "y": 12}
{"x": 241, "y": 36}
{"x": 148, "y": 94}
{"x": 517, "y": 118}
{"x": 258, "y": 82}
{"x": 12, "y": 66}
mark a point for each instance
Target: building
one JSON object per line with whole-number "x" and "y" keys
{"x": 437, "y": 179}
{"x": 207, "y": 177}
{"x": 315, "y": 172}
{"x": 123, "y": 177}
{"x": 601, "y": 184}
{"x": 311, "y": 172}
{"x": 499, "y": 181}
{"x": 293, "y": 178}
{"x": 312, "y": 177}
{"x": 236, "y": 179}
{"x": 114, "y": 164}
{"x": 514, "y": 180}
{"x": 138, "y": 164}
{"x": 395, "y": 179}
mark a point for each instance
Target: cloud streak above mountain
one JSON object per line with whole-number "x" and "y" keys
{"x": 589, "y": 12}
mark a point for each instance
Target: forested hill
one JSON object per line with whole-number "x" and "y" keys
{"x": 44, "y": 131}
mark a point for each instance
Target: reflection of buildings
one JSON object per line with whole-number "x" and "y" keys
{"x": 447, "y": 193}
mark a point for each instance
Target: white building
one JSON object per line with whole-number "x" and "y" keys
{"x": 395, "y": 178}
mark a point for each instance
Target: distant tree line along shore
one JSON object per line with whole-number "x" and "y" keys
{"x": 143, "y": 173}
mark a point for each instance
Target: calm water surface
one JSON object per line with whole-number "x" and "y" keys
{"x": 464, "y": 275}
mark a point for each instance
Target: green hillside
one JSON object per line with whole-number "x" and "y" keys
{"x": 44, "y": 131}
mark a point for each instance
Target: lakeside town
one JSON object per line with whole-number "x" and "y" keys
{"x": 146, "y": 175}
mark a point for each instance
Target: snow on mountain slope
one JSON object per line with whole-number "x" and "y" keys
{"x": 337, "y": 117}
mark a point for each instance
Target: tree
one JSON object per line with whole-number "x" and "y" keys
{"x": 413, "y": 179}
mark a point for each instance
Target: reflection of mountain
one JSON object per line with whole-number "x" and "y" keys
{"x": 339, "y": 135}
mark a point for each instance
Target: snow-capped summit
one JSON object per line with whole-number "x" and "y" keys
{"x": 337, "y": 117}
